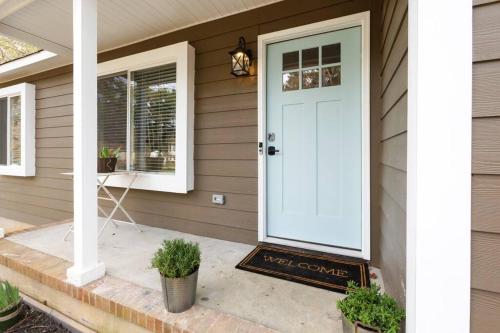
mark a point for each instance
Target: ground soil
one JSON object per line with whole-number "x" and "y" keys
{"x": 35, "y": 321}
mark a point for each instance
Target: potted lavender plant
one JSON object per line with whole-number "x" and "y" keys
{"x": 367, "y": 310}
{"x": 178, "y": 262}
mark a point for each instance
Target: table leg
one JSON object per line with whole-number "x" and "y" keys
{"x": 98, "y": 206}
{"x": 118, "y": 204}
{"x": 70, "y": 230}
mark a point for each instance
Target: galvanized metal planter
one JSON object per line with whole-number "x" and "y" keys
{"x": 179, "y": 294}
{"x": 357, "y": 327}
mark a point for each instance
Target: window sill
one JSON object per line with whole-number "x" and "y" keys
{"x": 14, "y": 170}
{"x": 152, "y": 181}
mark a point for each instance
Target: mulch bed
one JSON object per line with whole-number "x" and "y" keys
{"x": 35, "y": 321}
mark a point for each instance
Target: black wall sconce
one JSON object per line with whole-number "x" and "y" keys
{"x": 241, "y": 59}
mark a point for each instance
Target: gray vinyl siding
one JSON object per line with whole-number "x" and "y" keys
{"x": 393, "y": 119}
{"x": 225, "y": 130}
{"x": 485, "y": 293}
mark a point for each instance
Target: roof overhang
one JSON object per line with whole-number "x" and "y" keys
{"x": 48, "y": 24}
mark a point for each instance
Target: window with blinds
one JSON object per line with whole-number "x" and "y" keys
{"x": 136, "y": 112}
{"x": 15, "y": 130}
{"x": 112, "y": 115}
{"x": 3, "y": 131}
{"x": 10, "y": 130}
{"x": 153, "y": 118}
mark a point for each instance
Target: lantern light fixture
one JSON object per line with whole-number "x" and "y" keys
{"x": 241, "y": 59}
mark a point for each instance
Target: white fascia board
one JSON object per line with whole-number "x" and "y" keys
{"x": 26, "y": 61}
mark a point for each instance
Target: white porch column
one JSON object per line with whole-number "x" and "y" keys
{"x": 439, "y": 166}
{"x": 86, "y": 267}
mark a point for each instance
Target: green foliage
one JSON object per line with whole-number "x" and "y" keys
{"x": 9, "y": 295}
{"x": 370, "y": 307}
{"x": 11, "y": 49}
{"x": 177, "y": 258}
{"x": 109, "y": 153}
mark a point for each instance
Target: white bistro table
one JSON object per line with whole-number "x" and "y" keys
{"x": 102, "y": 178}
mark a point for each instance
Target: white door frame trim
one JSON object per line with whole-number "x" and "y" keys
{"x": 360, "y": 19}
{"x": 439, "y": 165}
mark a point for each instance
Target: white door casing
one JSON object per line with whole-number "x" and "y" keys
{"x": 362, "y": 20}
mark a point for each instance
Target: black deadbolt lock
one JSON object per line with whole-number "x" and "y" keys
{"x": 271, "y": 150}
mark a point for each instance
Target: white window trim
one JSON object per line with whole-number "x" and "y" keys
{"x": 183, "y": 55}
{"x": 359, "y": 19}
{"x": 27, "y": 167}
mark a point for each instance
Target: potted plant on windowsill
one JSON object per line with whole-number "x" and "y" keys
{"x": 107, "y": 159}
{"x": 178, "y": 262}
{"x": 368, "y": 310}
{"x": 10, "y": 305}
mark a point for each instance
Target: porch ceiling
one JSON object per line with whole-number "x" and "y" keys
{"x": 48, "y": 23}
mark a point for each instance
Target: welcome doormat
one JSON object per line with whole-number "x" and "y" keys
{"x": 321, "y": 271}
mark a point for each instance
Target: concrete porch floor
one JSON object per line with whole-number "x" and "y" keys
{"x": 277, "y": 304}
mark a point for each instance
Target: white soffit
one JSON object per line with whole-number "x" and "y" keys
{"x": 48, "y": 23}
{"x": 121, "y": 22}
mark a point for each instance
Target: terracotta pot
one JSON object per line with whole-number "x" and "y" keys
{"x": 357, "y": 327}
{"x": 10, "y": 316}
{"x": 105, "y": 165}
{"x": 179, "y": 294}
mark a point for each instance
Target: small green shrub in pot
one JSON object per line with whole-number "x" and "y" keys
{"x": 178, "y": 262}
{"x": 10, "y": 305}
{"x": 107, "y": 159}
{"x": 369, "y": 309}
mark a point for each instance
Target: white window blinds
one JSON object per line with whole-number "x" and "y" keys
{"x": 3, "y": 131}
{"x": 145, "y": 130}
{"x": 15, "y": 130}
{"x": 112, "y": 115}
{"x": 153, "y": 105}
{"x": 10, "y": 130}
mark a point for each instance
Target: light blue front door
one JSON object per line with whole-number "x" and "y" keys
{"x": 314, "y": 139}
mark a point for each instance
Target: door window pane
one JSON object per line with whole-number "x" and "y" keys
{"x": 290, "y": 81}
{"x": 3, "y": 131}
{"x": 290, "y": 60}
{"x": 330, "y": 54}
{"x": 330, "y": 76}
{"x": 15, "y": 130}
{"x": 153, "y": 107}
{"x": 112, "y": 115}
{"x": 310, "y": 78}
{"x": 310, "y": 57}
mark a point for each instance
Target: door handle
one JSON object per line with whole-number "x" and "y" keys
{"x": 271, "y": 150}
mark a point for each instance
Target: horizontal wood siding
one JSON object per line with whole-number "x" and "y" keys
{"x": 48, "y": 196}
{"x": 225, "y": 130}
{"x": 393, "y": 117}
{"x": 485, "y": 293}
